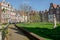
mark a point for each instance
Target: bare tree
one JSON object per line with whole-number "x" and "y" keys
{"x": 27, "y": 9}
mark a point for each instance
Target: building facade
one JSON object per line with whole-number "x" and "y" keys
{"x": 7, "y": 12}
{"x": 54, "y": 9}
{"x": 23, "y": 16}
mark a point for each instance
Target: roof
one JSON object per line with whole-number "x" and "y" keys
{"x": 54, "y": 5}
{"x": 22, "y": 13}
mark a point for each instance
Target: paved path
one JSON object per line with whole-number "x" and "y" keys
{"x": 14, "y": 34}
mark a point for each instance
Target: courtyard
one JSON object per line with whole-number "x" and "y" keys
{"x": 43, "y": 29}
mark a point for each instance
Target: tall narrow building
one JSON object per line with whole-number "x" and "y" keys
{"x": 6, "y": 12}
{"x": 54, "y": 9}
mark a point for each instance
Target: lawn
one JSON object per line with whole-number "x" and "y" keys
{"x": 42, "y": 29}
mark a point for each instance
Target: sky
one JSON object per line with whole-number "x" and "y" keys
{"x": 38, "y": 5}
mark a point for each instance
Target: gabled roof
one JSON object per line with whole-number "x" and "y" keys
{"x": 54, "y": 5}
{"x": 22, "y": 13}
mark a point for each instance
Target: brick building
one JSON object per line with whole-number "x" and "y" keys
{"x": 34, "y": 16}
{"x": 54, "y": 9}
{"x": 23, "y": 16}
{"x": 43, "y": 16}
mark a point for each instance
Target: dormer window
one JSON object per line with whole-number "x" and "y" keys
{"x": 3, "y": 10}
{"x": 8, "y": 5}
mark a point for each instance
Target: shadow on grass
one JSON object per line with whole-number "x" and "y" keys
{"x": 53, "y": 34}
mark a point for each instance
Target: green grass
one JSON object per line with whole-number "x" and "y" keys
{"x": 42, "y": 29}
{"x": 40, "y": 25}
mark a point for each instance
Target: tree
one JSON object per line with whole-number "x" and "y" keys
{"x": 27, "y": 9}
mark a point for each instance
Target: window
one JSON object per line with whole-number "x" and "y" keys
{"x": 57, "y": 11}
{"x": 51, "y": 7}
{"x": 3, "y": 10}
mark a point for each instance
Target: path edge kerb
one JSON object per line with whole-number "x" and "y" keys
{"x": 27, "y": 33}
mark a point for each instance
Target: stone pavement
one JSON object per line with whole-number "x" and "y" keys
{"x": 14, "y": 34}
